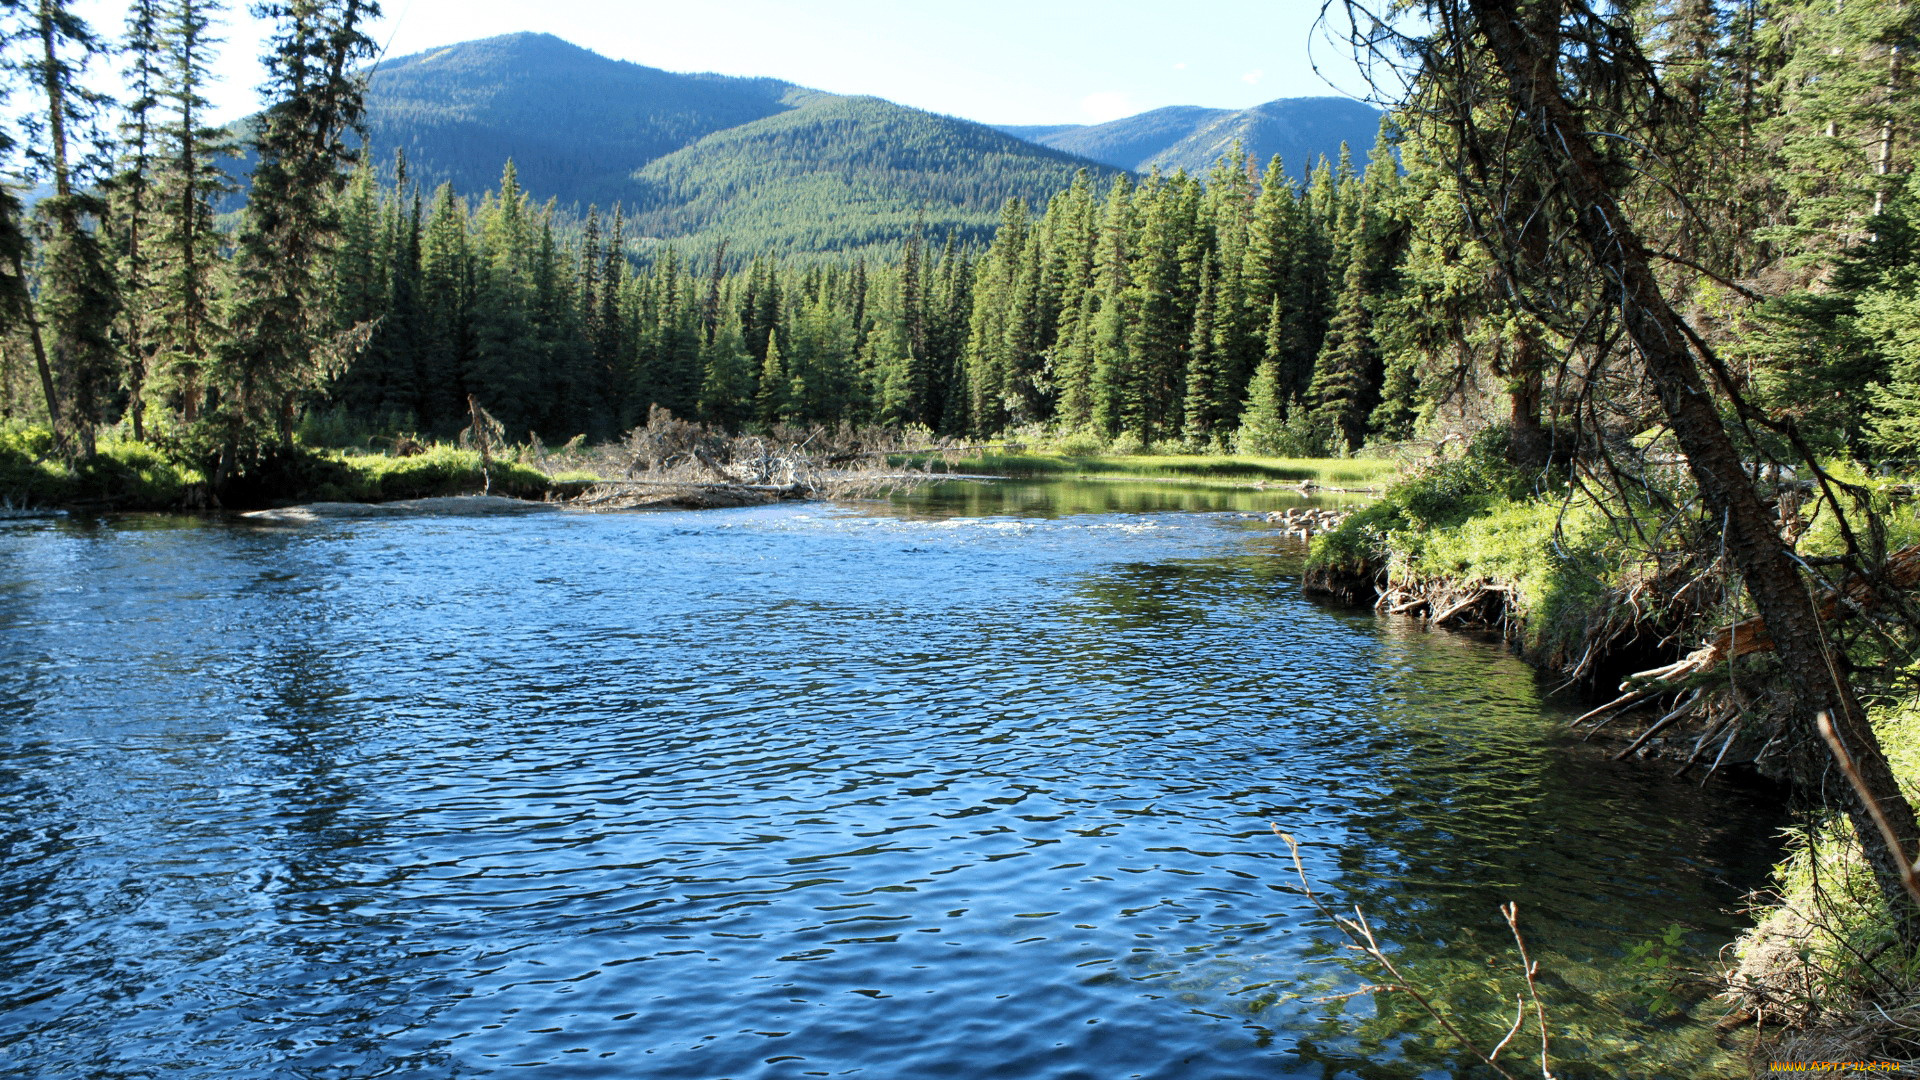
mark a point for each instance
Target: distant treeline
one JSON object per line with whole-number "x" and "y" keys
{"x": 1167, "y": 310}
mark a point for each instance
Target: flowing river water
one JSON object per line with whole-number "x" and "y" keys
{"x": 974, "y": 782}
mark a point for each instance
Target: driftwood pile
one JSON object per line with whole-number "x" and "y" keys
{"x": 1696, "y": 694}
{"x": 671, "y": 463}
{"x": 1305, "y": 521}
{"x": 1444, "y": 602}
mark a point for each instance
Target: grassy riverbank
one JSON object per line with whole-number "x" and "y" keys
{"x": 1373, "y": 473}
{"x": 1591, "y": 597}
{"x": 127, "y": 475}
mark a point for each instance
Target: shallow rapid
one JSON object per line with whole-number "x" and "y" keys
{"x": 975, "y": 782}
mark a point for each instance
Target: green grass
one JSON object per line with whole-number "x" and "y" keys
{"x": 1478, "y": 519}
{"x": 137, "y": 476}
{"x": 1825, "y": 880}
{"x": 1327, "y": 472}
{"x": 442, "y": 470}
{"x": 126, "y": 475}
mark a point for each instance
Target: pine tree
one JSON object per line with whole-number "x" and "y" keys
{"x": 727, "y": 390}
{"x": 130, "y": 207}
{"x": 79, "y": 297}
{"x": 277, "y": 347}
{"x": 1848, "y": 116}
{"x": 1113, "y": 386}
{"x": 770, "y": 402}
{"x": 1263, "y": 421}
{"x": 447, "y": 287}
{"x": 1207, "y": 379}
{"x": 992, "y": 375}
{"x": 389, "y": 380}
{"x": 506, "y": 357}
{"x": 1351, "y": 368}
{"x": 1160, "y": 327}
{"x": 186, "y": 256}
{"x": 16, "y": 300}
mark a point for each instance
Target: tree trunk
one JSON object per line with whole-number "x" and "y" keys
{"x": 1752, "y": 535}
{"x": 45, "y": 369}
{"x": 1528, "y": 445}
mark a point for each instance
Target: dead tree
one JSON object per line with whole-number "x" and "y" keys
{"x": 1554, "y": 76}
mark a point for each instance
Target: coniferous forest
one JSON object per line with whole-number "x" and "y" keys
{"x": 1251, "y": 308}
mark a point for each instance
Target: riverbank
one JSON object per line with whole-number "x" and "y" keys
{"x": 668, "y": 463}
{"x": 1603, "y": 602}
{"x": 1366, "y": 475}
{"x": 131, "y": 476}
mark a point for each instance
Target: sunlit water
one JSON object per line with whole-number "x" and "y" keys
{"x": 976, "y": 783}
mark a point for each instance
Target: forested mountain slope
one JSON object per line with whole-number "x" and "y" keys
{"x": 846, "y": 172}
{"x": 1300, "y": 130}
{"x": 575, "y": 123}
{"x": 694, "y": 159}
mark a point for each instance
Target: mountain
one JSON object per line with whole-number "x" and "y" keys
{"x": 1300, "y": 130}
{"x": 696, "y": 158}
{"x": 845, "y": 172}
{"x": 575, "y": 123}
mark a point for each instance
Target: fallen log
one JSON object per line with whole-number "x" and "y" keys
{"x": 1750, "y": 635}
{"x": 1479, "y": 594}
{"x": 1686, "y": 707}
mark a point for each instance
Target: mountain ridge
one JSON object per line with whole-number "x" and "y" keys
{"x": 766, "y": 164}
{"x": 1192, "y": 137}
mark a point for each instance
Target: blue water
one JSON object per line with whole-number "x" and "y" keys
{"x": 863, "y": 790}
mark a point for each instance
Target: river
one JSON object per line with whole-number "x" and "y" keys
{"x": 972, "y": 782}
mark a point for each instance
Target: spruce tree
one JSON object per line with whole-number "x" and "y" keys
{"x": 186, "y": 245}
{"x": 1848, "y": 115}
{"x": 1207, "y": 380}
{"x": 727, "y": 388}
{"x": 277, "y": 346}
{"x": 130, "y": 204}
{"x": 506, "y": 357}
{"x": 78, "y": 296}
{"x": 447, "y": 300}
{"x": 771, "y": 399}
{"x": 1263, "y": 421}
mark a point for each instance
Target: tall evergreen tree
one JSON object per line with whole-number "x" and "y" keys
{"x": 186, "y": 245}
{"x": 131, "y": 195}
{"x": 1207, "y": 410}
{"x": 78, "y": 297}
{"x": 277, "y": 347}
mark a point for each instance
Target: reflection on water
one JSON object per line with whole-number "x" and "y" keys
{"x": 974, "y": 783}
{"x": 1063, "y": 498}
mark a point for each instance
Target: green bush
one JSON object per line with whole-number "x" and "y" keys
{"x": 137, "y": 476}
{"x": 441, "y": 470}
{"x": 1082, "y": 443}
{"x": 1445, "y": 495}
{"x": 123, "y": 476}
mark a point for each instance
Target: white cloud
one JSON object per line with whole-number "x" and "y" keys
{"x": 1253, "y": 76}
{"x": 1182, "y": 66}
{"x": 1107, "y": 105}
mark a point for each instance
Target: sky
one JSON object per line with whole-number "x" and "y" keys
{"x": 995, "y": 61}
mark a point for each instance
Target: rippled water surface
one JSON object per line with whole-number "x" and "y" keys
{"x": 975, "y": 783}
